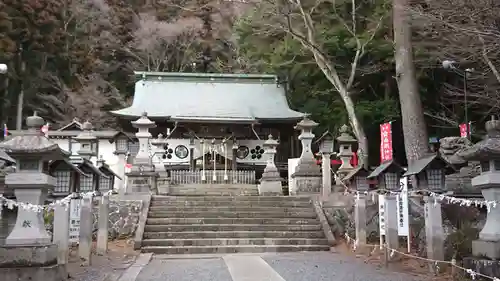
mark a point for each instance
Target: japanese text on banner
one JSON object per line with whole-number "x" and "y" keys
{"x": 385, "y": 142}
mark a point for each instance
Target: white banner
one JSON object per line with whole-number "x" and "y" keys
{"x": 403, "y": 213}
{"x": 74, "y": 220}
{"x": 381, "y": 214}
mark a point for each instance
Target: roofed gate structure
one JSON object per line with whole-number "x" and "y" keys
{"x": 215, "y": 125}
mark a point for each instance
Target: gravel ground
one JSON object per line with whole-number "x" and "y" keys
{"x": 103, "y": 268}
{"x": 322, "y": 266}
{"x": 209, "y": 269}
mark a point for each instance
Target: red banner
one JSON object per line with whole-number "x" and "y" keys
{"x": 385, "y": 142}
{"x": 463, "y": 130}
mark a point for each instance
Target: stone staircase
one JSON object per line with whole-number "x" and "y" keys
{"x": 231, "y": 224}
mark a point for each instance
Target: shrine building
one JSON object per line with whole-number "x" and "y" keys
{"x": 228, "y": 116}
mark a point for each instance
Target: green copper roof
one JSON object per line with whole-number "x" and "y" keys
{"x": 209, "y": 97}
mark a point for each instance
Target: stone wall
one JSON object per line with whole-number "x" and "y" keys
{"x": 123, "y": 217}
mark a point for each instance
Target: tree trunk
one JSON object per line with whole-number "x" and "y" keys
{"x": 414, "y": 127}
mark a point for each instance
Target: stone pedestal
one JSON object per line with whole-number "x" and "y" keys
{"x": 488, "y": 244}
{"x": 29, "y": 188}
{"x": 142, "y": 182}
{"x": 434, "y": 232}
{"x": 30, "y": 262}
{"x": 270, "y": 183}
{"x": 307, "y": 176}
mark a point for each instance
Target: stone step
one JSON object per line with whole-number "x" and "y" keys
{"x": 231, "y": 227}
{"x": 203, "y": 209}
{"x": 151, "y": 221}
{"x": 233, "y": 234}
{"x": 216, "y": 214}
{"x": 213, "y": 193}
{"x": 157, "y": 198}
{"x": 233, "y": 249}
{"x": 220, "y": 203}
{"x": 232, "y": 242}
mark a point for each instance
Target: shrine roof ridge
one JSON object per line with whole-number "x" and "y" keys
{"x": 206, "y": 76}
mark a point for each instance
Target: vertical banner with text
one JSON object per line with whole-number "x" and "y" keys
{"x": 385, "y": 142}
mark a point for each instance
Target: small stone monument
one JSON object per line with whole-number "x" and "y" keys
{"x": 121, "y": 149}
{"x": 486, "y": 250}
{"x": 307, "y": 176}
{"x": 345, "y": 141}
{"x": 142, "y": 177}
{"x": 270, "y": 183}
{"x": 29, "y": 253}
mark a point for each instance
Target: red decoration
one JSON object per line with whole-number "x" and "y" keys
{"x": 463, "y": 130}
{"x": 385, "y": 142}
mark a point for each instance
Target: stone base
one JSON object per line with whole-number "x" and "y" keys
{"x": 270, "y": 188}
{"x": 31, "y": 262}
{"x": 489, "y": 249}
{"x": 46, "y": 273}
{"x": 142, "y": 182}
{"x": 483, "y": 266}
{"x": 306, "y": 185}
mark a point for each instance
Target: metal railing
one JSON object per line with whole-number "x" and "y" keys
{"x": 196, "y": 177}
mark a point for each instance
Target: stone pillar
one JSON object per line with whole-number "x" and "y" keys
{"x": 102, "y": 225}
{"x": 61, "y": 232}
{"x": 270, "y": 183}
{"x": 391, "y": 222}
{"x": 326, "y": 166}
{"x": 434, "y": 232}
{"x": 360, "y": 219}
{"x": 86, "y": 225}
{"x": 307, "y": 176}
{"x": 120, "y": 171}
{"x": 234, "y": 160}
{"x": 345, "y": 141}
{"x": 143, "y": 178}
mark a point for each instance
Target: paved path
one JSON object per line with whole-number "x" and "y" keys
{"x": 307, "y": 266}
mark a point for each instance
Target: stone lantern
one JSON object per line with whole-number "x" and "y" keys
{"x": 345, "y": 141}
{"x": 387, "y": 175}
{"x": 107, "y": 179}
{"x": 429, "y": 172}
{"x": 356, "y": 179}
{"x": 121, "y": 141}
{"x": 270, "y": 183}
{"x": 29, "y": 243}
{"x": 142, "y": 178}
{"x": 89, "y": 180}
{"x": 307, "y": 176}
{"x": 326, "y": 146}
{"x": 88, "y": 141}
{"x": 67, "y": 177}
{"x": 487, "y": 152}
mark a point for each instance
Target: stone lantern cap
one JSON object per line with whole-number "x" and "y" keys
{"x": 270, "y": 142}
{"x": 32, "y": 141}
{"x": 306, "y": 123}
{"x": 345, "y": 137}
{"x": 488, "y": 148}
{"x": 87, "y": 133}
{"x": 143, "y": 122}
